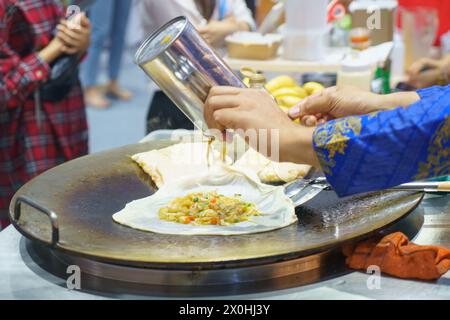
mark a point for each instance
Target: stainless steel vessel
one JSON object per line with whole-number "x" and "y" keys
{"x": 184, "y": 66}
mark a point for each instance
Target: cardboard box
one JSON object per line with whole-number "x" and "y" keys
{"x": 253, "y": 46}
{"x": 362, "y": 13}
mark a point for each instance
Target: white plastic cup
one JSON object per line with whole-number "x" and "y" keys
{"x": 306, "y": 15}
{"x": 306, "y": 46}
{"x": 355, "y": 72}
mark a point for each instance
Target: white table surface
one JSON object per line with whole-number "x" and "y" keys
{"x": 331, "y": 63}
{"x": 22, "y": 278}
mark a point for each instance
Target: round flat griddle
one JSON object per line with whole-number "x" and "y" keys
{"x": 83, "y": 194}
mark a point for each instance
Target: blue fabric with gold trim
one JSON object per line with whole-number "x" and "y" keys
{"x": 381, "y": 150}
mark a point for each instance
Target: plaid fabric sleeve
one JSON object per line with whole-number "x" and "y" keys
{"x": 20, "y": 76}
{"x": 3, "y": 224}
{"x": 378, "y": 151}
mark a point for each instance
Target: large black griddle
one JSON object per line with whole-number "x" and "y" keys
{"x": 66, "y": 214}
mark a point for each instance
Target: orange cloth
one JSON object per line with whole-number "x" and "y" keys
{"x": 396, "y": 256}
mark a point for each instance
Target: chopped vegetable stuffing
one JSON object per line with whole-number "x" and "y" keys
{"x": 208, "y": 208}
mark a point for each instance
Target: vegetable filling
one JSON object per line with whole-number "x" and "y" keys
{"x": 208, "y": 208}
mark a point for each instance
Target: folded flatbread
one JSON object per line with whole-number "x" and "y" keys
{"x": 270, "y": 171}
{"x": 186, "y": 159}
{"x": 174, "y": 162}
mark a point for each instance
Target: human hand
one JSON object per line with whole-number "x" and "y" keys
{"x": 52, "y": 51}
{"x": 254, "y": 113}
{"x": 216, "y": 31}
{"x": 426, "y": 72}
{"x": 343, "y": 101}
{"x": 75, "y": 38}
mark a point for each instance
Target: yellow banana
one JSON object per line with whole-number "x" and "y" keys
{"x": 301, "y": 92}
{"x": 313, "y": 87}
{"x": 289, "y": 101}
{"x": 291, "y": 91}
{"x": 280, "y": 82}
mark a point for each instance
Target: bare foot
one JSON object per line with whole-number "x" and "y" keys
{"x": 115, "y": 91}
{"x": 95, "y": 98}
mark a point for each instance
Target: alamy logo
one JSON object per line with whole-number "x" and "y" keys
{"x": 73, "y": 15}
{"x": 374, "y": 280}
{"x": 374, "y": 19}
{"x": 74, "y": 280}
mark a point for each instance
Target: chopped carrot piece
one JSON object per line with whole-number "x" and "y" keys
{"x": 188, "y": 220}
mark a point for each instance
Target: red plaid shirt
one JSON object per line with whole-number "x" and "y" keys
{"x": 29, "y": 146}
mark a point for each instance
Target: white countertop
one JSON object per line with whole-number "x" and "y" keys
{"x": 22, "y": 278}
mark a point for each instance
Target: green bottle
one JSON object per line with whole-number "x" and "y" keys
{"x": 381, "y": 83}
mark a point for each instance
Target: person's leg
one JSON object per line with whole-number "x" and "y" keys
{"x": 118, "y": 32}
{"x": 100, "y": 16}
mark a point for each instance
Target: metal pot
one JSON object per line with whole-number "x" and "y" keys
{"x": 185, "y": 67}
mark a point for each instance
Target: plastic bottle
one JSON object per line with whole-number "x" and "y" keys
{"x": 355, "y": 72}
{"x": 258, "y": 81}
{"x": 381, "y": 83}
{"x": 398, "y": 57}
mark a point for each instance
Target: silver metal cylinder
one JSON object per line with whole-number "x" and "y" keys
{"x": 185, "y": 67}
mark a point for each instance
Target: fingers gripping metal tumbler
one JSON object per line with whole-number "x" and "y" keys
{"x": 185, "y": 67}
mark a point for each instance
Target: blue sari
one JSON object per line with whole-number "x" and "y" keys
{"x": 381, "y": 150}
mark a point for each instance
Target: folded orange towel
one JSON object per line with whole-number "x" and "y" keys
{"x": 396, "y": 256}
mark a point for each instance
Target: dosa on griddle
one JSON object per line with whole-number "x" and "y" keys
{"x": 277, "y": 210}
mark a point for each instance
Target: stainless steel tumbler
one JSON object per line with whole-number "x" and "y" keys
{"x": 185, "y": 67}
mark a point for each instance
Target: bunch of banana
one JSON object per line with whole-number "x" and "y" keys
{"x": 288, "y": 92}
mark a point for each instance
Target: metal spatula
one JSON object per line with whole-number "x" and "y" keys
{"x": 303, "y": 190}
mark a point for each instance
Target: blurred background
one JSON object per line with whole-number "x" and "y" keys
{"x": 119, "y": 94}
{"x": 123, "y": 121}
